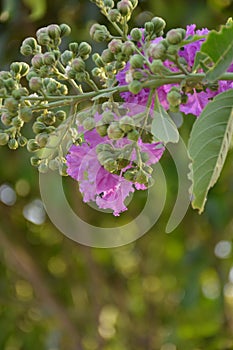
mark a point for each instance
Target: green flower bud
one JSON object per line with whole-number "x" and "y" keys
{"x": 6, "y": 119}
{"x": 10, "y": 84}
{"x": 174, "y": 36}
{"x": 52, "y": 87}
{"x": 11, "y": 104}
{"x": 129, "y": 174}
{"x": 89, "y": 123}
{"x": 115, "y": 46}
{"x": 109, "y": 3}
{"x": 114, "y": 131}
{"x": 137, "y": 75}
{"x": 136, "y": 34}
{"x": 4, "y": 138}
{"x": 60, "y": 115}
{"x": 84, "y": 49}
{"x": 5, "y": 75}
{"x": 78, "y": 65}
{"x": 149, "y": 27}
{"x": 50, "y": 129}
{"x": 22, "y": 141}
{"x": 146, "y": 137}
{"x": 104, "y": 156}
{"x": 114, "y": 15}
{"x": 141, "y": 177}
{"x": 15, "y": 67}
{"x": 159, "y": 24}
{"x": 135, "y": 87}
{"x": 145, "y": 157}
{"x": 122, "y": 163}
{"x": 125, "y": 7}
{"x": 74, "y": 47}
{"x": 65, "y": 29}
{"x": 37, "y": 61}
{"x": 31, "y": 74}
{"x": 42, "y": 139}
{"x": 17, "y": 94}
{"x": 43, "y": 167}
{"x": 174, "y": 97}
{"x": 157, "y": 51}
{"x": 26, "y": 50}
{"x": 49, "y": 118}
{"x": 128, "y": 48}
{"x": 13, "y": 144}
{"x": 127, "y": 123}
{"x": 98, "y": 60}
{"x": 26, "y": 114}
{"x": 32, "y": 145}
{"x": 133, "y": 135}
{"x": 24, "y": 69}
{"x": 110, "y": 165}
{"x": 54, "y": 164}
{"x": 107, "y": 56}
{"x": 38, "y": 127}
{"x": 49, "y": 58}
{"x": 35, "y": 84}
{"x": 99, "y": 32}
{"x": 17, "y": 122}
{"x": 107, "y": 117}
{"x": 66, "y": 57}
{"x": 71, "y": 74}
{"x": 101, "y": 129}
{"x": 35, "y": 161}
{"x": 44, "y": 39}
{"x": 136, "y": 61}
{"x": 54, "y": 31}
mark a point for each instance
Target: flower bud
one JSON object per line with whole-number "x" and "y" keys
{"x": 13, "y": 144}
{"x": 128, "y": 48}
{"x": 15, "y": 67}
{"x": 71, "y": 74}
{"x": 149, "y": 27}
{"x": 49, "y": 58}
{"x": 35, "y": 161}
{"x": 44, "y": 39}
{"x": 66, "y": 57}
{"x": 38, "y": 127}
{"x": 159, "y": 24}
{"x": 10, "y": 84}
{"x": 107, "y": 56}
{"x": 135, "y": 87}
{"x": 26, "y": 50}
{"x": 84, "y": 49}
{"x": 78, "y": 65}
{"x": 32, "y": 145}
{"x": 54, "y": 31}
{"x": 174, "y": 97}
{"x": 17, "y": 122}
{"x": 145, "y": 157}
{"x": 101, "y": 129}
{"x": 6, "y": 119}
{"x": 109, "y": 3}
{"x": 24, "y": 69}
{"x": 30, "y": 42}
{"x": 125, "y": 7}
{"x": 174, "y": 36}
{"x": 18, "y": 93}
{"x": 42, "y": 139}
{"x": 114, "y": 15}
{"x": 141, "y": 177}
{"x": 89, "y": 123}
{"x": 37, "y": 61}
{"x": 110, "y": 165}
{"x": 136, "y": 61}
{"x": 35, "y": 84}
{"x": 129, "y": 174}
{"x": 99, "y": 32}
{"x": 133, "y": 135}
{"x": 107, "y": 117}
{"x": 114, "y": 131}
{"x": 11, "y": 104}
{"x": 115, "y": 46}
{"x": 4, "y": 138}
{"x": 136, "y": 34}
{"x": 22, "y": 141}
{"x": 65, "y": 29}
{"x": 127, "y": 123}
{"x": 103, "y": 156}
{"x": 73, "y": 47}
{"x": 157, "y": 51}
{"x": 26, "y": 114}
{"x": 60, "y": 115}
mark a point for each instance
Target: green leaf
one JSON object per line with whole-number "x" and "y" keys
{"x": 219, "y": 48}
{"x": 163, "y": 128}
{"x": 201, "y": 61}
{"x": 209, "y": 143}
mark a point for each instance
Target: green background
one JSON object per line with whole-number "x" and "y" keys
{"x": 164, "y": 291}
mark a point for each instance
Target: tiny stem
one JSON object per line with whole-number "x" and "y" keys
{"x": 148, "y": 107}
{"x": 71, "y": 81}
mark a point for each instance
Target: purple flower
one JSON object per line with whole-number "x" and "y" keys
{"x": 108, "y": 190}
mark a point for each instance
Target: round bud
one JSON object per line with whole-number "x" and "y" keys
{"x": 156, "y": 66}
{"x": 37, "y": 61}
{"x": 35, "y": 161}
{"x": 65, "y": 30}
{"x": 38, "y": 127}
{"x": 66, "y": 57}
{"x": 4, "y": 138}
{"x": 128, "y": 48}
{"x": 30, "y": 42}
{"x": 54, "y": 31}
{"x": 127, "y": 123}
{"x": 11, "y": 104}
{"x": 107, "y": 56}
{"x": 24, "y": 69}
{"x": 109, "y": 3}
{"x": 26, "y": 50}
{"x": 114, "y": 131}
{"x": 42, "y": 139}
{"x": 49, "y": 58}
{"x": 49, "y": 118}
{"x": 84, "y": 49}
{"x": 101, "y": 129}
{"x": 174, "y": 97}
{"x": 135, "y": 87}
{"x": 35, "y": 83}
{"x": 26, "y": 114}
{"x": 60, "y": 115}
{"x": 15, "y": 67}
{"x": 17, "y": 122}
{"x": 149, "y": 27}
{"x": 89, "y": 123}
{"x": 44, "y": 39}
{"x": 136, "y": 61}
{"x": 31, "y": 74}
{"x": 107, "y": 117}
{"x": 74, "y": 47}
{"x": 110, "y": 165}
{"x": 115, "y": 46}
{"x": 174, "y": 37}
{"x": 32, "y": 145}
{"x": 71, "y": 74}
{"x": 141, "y": 177}
{"x": 18, "y": 93}
{"x": 129, "y": 175}
{"x": 13, "y": 144}
{"x": 22, "y": 141}
{"x": 157, "y": 51}
{"x": 78, "y": 65}
{"x": 6, "y": 119}
{"x": 133, "y": 135}
{"x": 114, "y": 15}
{"x": 159, "y": 24}
{"x": 125, "y": 7}
{"x": 10, "y": 84}
{"x": 99, "y": 32}
{"x": 145, "y": 157}
{"x": 136, "y": 34}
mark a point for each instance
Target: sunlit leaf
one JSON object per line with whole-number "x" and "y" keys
{"x": 209, "y": 143}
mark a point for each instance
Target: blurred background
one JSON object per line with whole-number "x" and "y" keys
{"x": 164, "y": 291}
